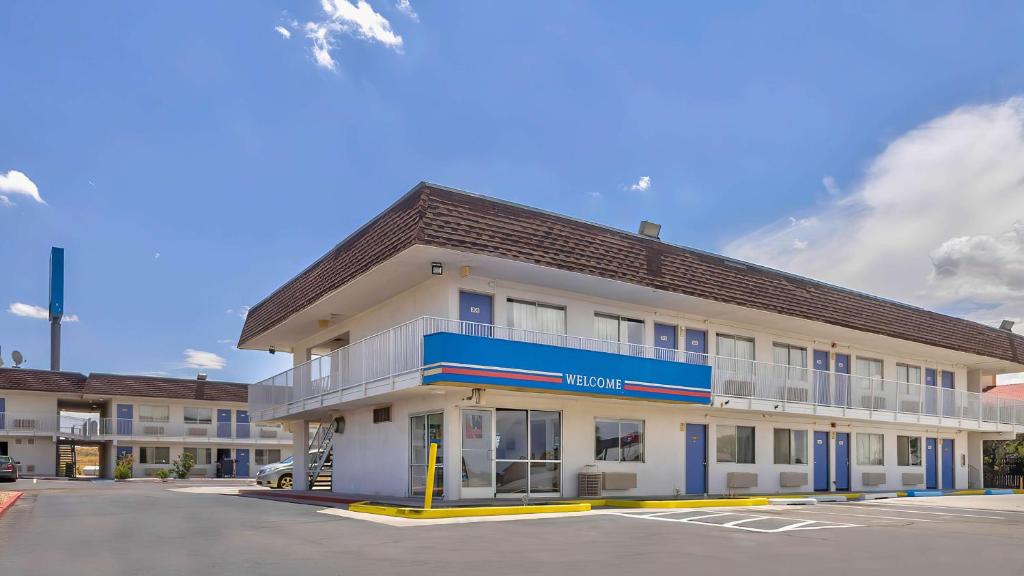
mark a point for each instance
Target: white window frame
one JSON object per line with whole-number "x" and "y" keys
{"x": 624, "y": 322}
{"x": 510, "y": 304}
{"x": 150, "y": 418}
{"x": 619, "y": 422}
{"x": 792, "y": 434}
{"x": 185, "y": 415}
{"x": 196, "y": 451}
{"x": 720, "y": 428}
{"x": 871, "y": 437}
{"x": 151, "y": 450}
{"x": 909, "y": 455}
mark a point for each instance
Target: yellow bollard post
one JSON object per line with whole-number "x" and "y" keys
{"x": 428, "y": 494}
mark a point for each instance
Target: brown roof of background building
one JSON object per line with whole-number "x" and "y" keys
{"x": 96, "y": 384}
{"x": 433, "y": 215}
{"x": 1008, "y": 391}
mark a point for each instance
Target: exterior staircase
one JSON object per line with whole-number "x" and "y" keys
{"x": 321, "y": 456}
{"x": 66, "y": 460}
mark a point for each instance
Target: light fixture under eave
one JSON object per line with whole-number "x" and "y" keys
{"x": 436, "y": 268}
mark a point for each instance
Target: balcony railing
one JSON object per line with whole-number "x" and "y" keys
{"x": 399, "y": 351}
{"x": 27, "y": 423}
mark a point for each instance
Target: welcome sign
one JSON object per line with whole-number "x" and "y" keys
{"x": 464, "y": 360}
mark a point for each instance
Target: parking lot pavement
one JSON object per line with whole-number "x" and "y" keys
{"x": 149, "y": 528}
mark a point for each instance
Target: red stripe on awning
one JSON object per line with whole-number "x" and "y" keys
{"x": 674, "y": 392}
{"x": 508, "y": 375}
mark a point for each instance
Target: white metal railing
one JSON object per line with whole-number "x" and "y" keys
{"x": 122, "y": 427}
{"x": 28, "y": 423}
{"x": 399, "y": 350}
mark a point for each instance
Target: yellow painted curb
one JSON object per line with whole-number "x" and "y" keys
{"x": 848, "y": 496}
{"x": 434, "y": 513}
{"x": 687, "y": 503}
{"x": 969, "y": 493}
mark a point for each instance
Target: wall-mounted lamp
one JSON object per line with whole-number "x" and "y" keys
{"x": 271, "y": 350}
{"x": 436, "y": 268}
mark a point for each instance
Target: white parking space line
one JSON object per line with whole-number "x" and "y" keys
{"x": 828, "y": 513}
{"x": 903, "y": 508}
{"x": 743, "y": 522}
{"x": 925, "y": 503}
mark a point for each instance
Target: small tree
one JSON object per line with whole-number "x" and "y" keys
{"x": 123, "y": 468}
{"x": 182, "y": 465}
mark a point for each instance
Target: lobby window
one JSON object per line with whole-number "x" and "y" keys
{"x": 735, "y": 444}
{"x": 200, "y": 456}
{"x": 790, "y": 446}
{"x": 198, "y": 415}
{"x": 424, "y": 430}
{"x": 908, "y": 450}
{"x": 267, "y": 456}
{"x": 154, "y": 455}
{"x": 618, "y": 329}
{"x": 536, "y": 317}
{"x": 619, "y": 441}
{"x": 149, "y": 413}
{"x": 870, "y": 449}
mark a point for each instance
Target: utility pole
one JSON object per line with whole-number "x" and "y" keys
{"x": 56, "y": 304}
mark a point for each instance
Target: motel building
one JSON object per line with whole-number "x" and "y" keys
{"x": 533, "y": 348}
{"x": 46, "y": 417}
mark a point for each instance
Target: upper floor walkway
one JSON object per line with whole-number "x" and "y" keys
{"x": 46, "y": 424}
{"x": 394, "y": 359}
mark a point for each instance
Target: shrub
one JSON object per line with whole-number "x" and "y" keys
{"x": 182, "y": 465}
{"x": 123, "y": 469}
{"x": 163, "y": 474}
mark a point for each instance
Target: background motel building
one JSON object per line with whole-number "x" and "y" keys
{"x": 533, "y": 346}
{"x": 45, "y": 416}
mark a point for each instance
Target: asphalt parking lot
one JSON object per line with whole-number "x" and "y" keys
{"x": 153, "y": 528}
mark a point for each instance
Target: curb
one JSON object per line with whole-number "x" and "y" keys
{"x": 712, "y": 503}
{"x": 436, "y": 513}
{"x": 297, "y": 498}
{"x": 10, "y": 502}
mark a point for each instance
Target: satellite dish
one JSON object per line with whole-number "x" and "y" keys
{"x": 18, "y": 358}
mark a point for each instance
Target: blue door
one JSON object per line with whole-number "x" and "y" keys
{"x": 948, "y": 398}
{"x": 696, "y": 458}
{"x": 241, "y": 423}
{"x": 931, "y": 394}
{"x": 479, "y": 309}
{"x": 948, "y": 464}
{"x": 3, "y": 408}
{"x": 666, "y": 340}
{"x": 223, "y": 423}
{"x": 123, "y": 451}
{"x": 821, "y": 461}
{"x": 124, "y": 419}
{"x": 696, "y": 346}
{"x": 930, "y": 464}
{"x": 242, "y": 462}
{"x": 821, "y": 378}
{"x": 842, "y": 460}
{"x": 842, "y": 386}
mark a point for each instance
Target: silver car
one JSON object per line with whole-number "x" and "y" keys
{"x": 276, "y": 475}
{"x": 8, "y": 469}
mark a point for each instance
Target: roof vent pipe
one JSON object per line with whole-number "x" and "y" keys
{"x": 650, "y": 229}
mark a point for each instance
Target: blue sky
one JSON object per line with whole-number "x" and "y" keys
{"x": 190, "y": 157}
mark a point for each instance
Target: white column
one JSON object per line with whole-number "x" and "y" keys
{"x": 300, "y": 455}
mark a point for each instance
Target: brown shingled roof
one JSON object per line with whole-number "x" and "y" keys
{"x": 433, "y": 215}
{"x": 41, "y": 380}
{"x": 121, "y": 385}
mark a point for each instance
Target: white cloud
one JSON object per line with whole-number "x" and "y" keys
{"x": 5, "y": 201}
{"x": 156, "y": 256}
{"x": 204, "y": 360}
{"x": 406, "y": 8}
{"x": 36, "y": 312}
{"x": 935, "y": 220}
{"x": 28, "y": 311}
{"x": 284, "y": 32}
{"x": 358, "y": 20}
{"x": 642, "y": 184}
{"x": 15, "y": 182}
{"x": 830, "y": 186}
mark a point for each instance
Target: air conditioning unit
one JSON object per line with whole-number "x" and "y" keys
{"x": 24, "y": 423}
{"x": 153, "y": 430}
{"x": 737, "y": 388}
{"x": 268, "y": 433}
{"x": 796, "y": 394}
{"x": 200, "y": 431}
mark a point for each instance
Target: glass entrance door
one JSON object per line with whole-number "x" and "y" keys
{"x": 477, "y": 454}
{"x": 527, "y": 453}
